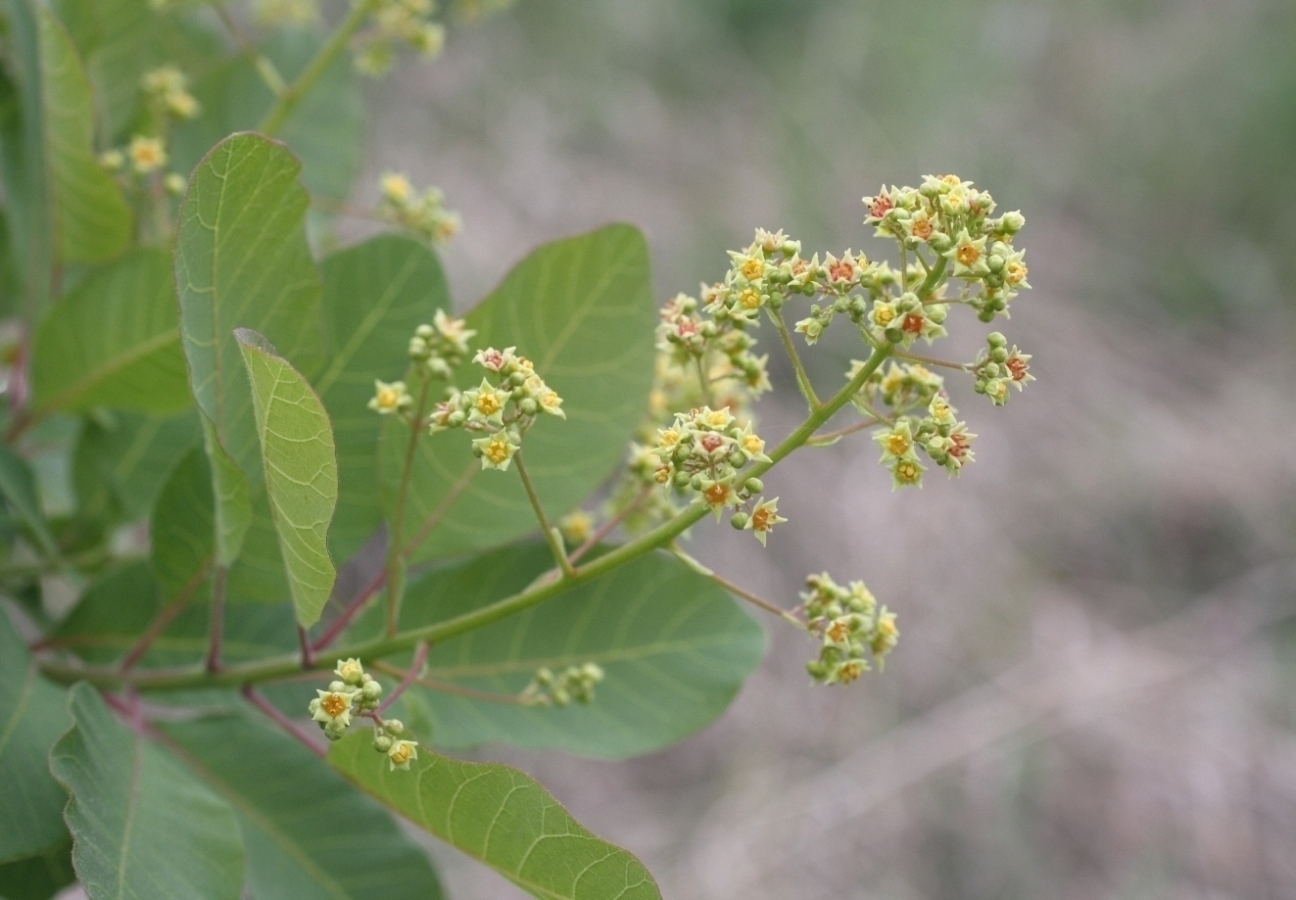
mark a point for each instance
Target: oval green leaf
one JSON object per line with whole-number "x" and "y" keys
{"x": 114, "y": 341}
{"x": 301, "y": 475}
{"x": 295, "y": 811}
{"x": 375, "y": 295}
{"x": 33, "y": 713}
{"x": 142, "y": 826}
{"x": 674, "y": 648}
{"x": 501, "y": 817}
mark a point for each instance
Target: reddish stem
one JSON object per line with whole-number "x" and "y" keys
{"x": 411, "y": 675}
{"x": 339, "y": 625}
{"x": 282, "y": 721}
{"x": 163, "y": 619}
{"x": 610, "y": 525}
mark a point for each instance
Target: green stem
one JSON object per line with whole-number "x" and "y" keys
{"x": 704, "y": 382}
{"x": 734, "y": 589}
{"x": 290, "y": 96}
{"x": 287, "y": 666}
{"x": 551, "y": 535}
{"x": 802, "y": 379}
{"x": 395, "y": 558}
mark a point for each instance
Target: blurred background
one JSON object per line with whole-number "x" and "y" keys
{"x": 1093, "y": 695}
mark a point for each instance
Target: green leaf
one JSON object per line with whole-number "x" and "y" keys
{"x": 18, "y": 487}
{"x": 326, "y": 130}
{"x": 38, "y": 877}
{"x": 232, "y": 497}
{"x": 115, "y": 610}
{"x": 301, "y": 474}
{"x": 142, "y": 826}
{"x": 242, "y": 262}
{"x": 582, "y": 310}
{"x": 91, "y": 220}
{"x": 33, "y": 713}
{"x": 114, "y": 341}
{"x": 182, "y": 530}
{"x": 120, "y": 459}
{"x": 502, "y": 818}
{"x": 295, "y": 811}
{"x": 375, "y": 295}
{"x": 674, "y": 647}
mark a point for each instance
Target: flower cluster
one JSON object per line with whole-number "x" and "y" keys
{"x": 357, "y": 693}
{"x": 572, "y": 684}
{"x": 435, "y": 350}
{"x": 399, "y": 22}
{"x": 144, "y": 155}
{"x": 167, "y": 91}
{"x": 955, "y": 222}
{"x": 945, "y": 440}
{"x": 503, "y": 410}
{"x": 705, "y": 452}
{"x": 851, "y": 626}
{"x": 996, "y": 367}
{"x": 424, "y": 214}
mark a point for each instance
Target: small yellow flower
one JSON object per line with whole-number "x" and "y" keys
{"x": 1015, "y": 272}
{"x": 350, "y": 671}
{"x": 752, "y": 268}
{"x": 146, "y": 154}
{"x": 717, "y": 418}
{"x": 551, "y": 403}
{"x": 898, "y": 443}
{"x": 389, "y": 398}
{"x": 749, "y": 299}
{"x": 400, "y": 754}
{"x": 753, "y": 445}
{"x": 496, "y": 451}
{"x": 489, "y": 401}
{"x": 668, "y": 438}
{"x": 331, "y": 707}
{"x": 576, "y": 526}
{"x": 883, "y": 314}
{"x": 396, "y": 188}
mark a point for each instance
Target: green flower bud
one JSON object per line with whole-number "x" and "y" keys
{"x": 737, "y": 459}
{"x": 337, "y": 686}
{"x": 528, "y": 407}
{"x": 999, "y": 354}
{"x": 738, "y": 520}
{"x": 754, "y": 486}
{"x": 382, "y": 743}
{"x": 372, "y": 690}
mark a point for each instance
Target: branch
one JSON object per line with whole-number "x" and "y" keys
{"x": 282, "y": 721}
{"x": 802, "y": 379}
{"x": 551, "y": 535}
{"x": 534, "y": 595}
{"x": 410, "y": 676}
{"x": 734, "y": 589}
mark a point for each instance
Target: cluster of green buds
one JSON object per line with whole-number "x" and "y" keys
{"x": 395, "y": 23}
{"x": 717, "y": 347}
{"x": 435, "y": 351}
{"x": 502, "y": 411}
{"x": 996, "y": 367}
{"x": 357, "y": 693}
{"x": 574, "y": 684}
{"x": 167, "y": 91}
{"x": 705, "y": 453}
{"x": 423, "y": 214}
{"x": 851, "y": 626}
{"x": 956, "y": 222}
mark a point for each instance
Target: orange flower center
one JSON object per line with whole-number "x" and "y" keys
{"x": 334, "y": 705}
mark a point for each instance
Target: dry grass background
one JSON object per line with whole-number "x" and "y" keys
{"x": 1093, "y": 694}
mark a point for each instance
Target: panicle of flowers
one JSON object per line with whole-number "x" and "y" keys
{"x": 954, "y": 222}
{"x": 167, "y": 90}
{"x": 851, "y": 627}
{"x": 997, "y": 367}
{"x": 574, "y": 684}
{"x": 507, "y": 403}
{"x": 436, "y": 351}
{"x": 144, "y": 155}
{"x": 356, "y": 693}
{"x": 424, "y": 214}
{"x": 705, "y": 453}
{"x": 397, "y": 23}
